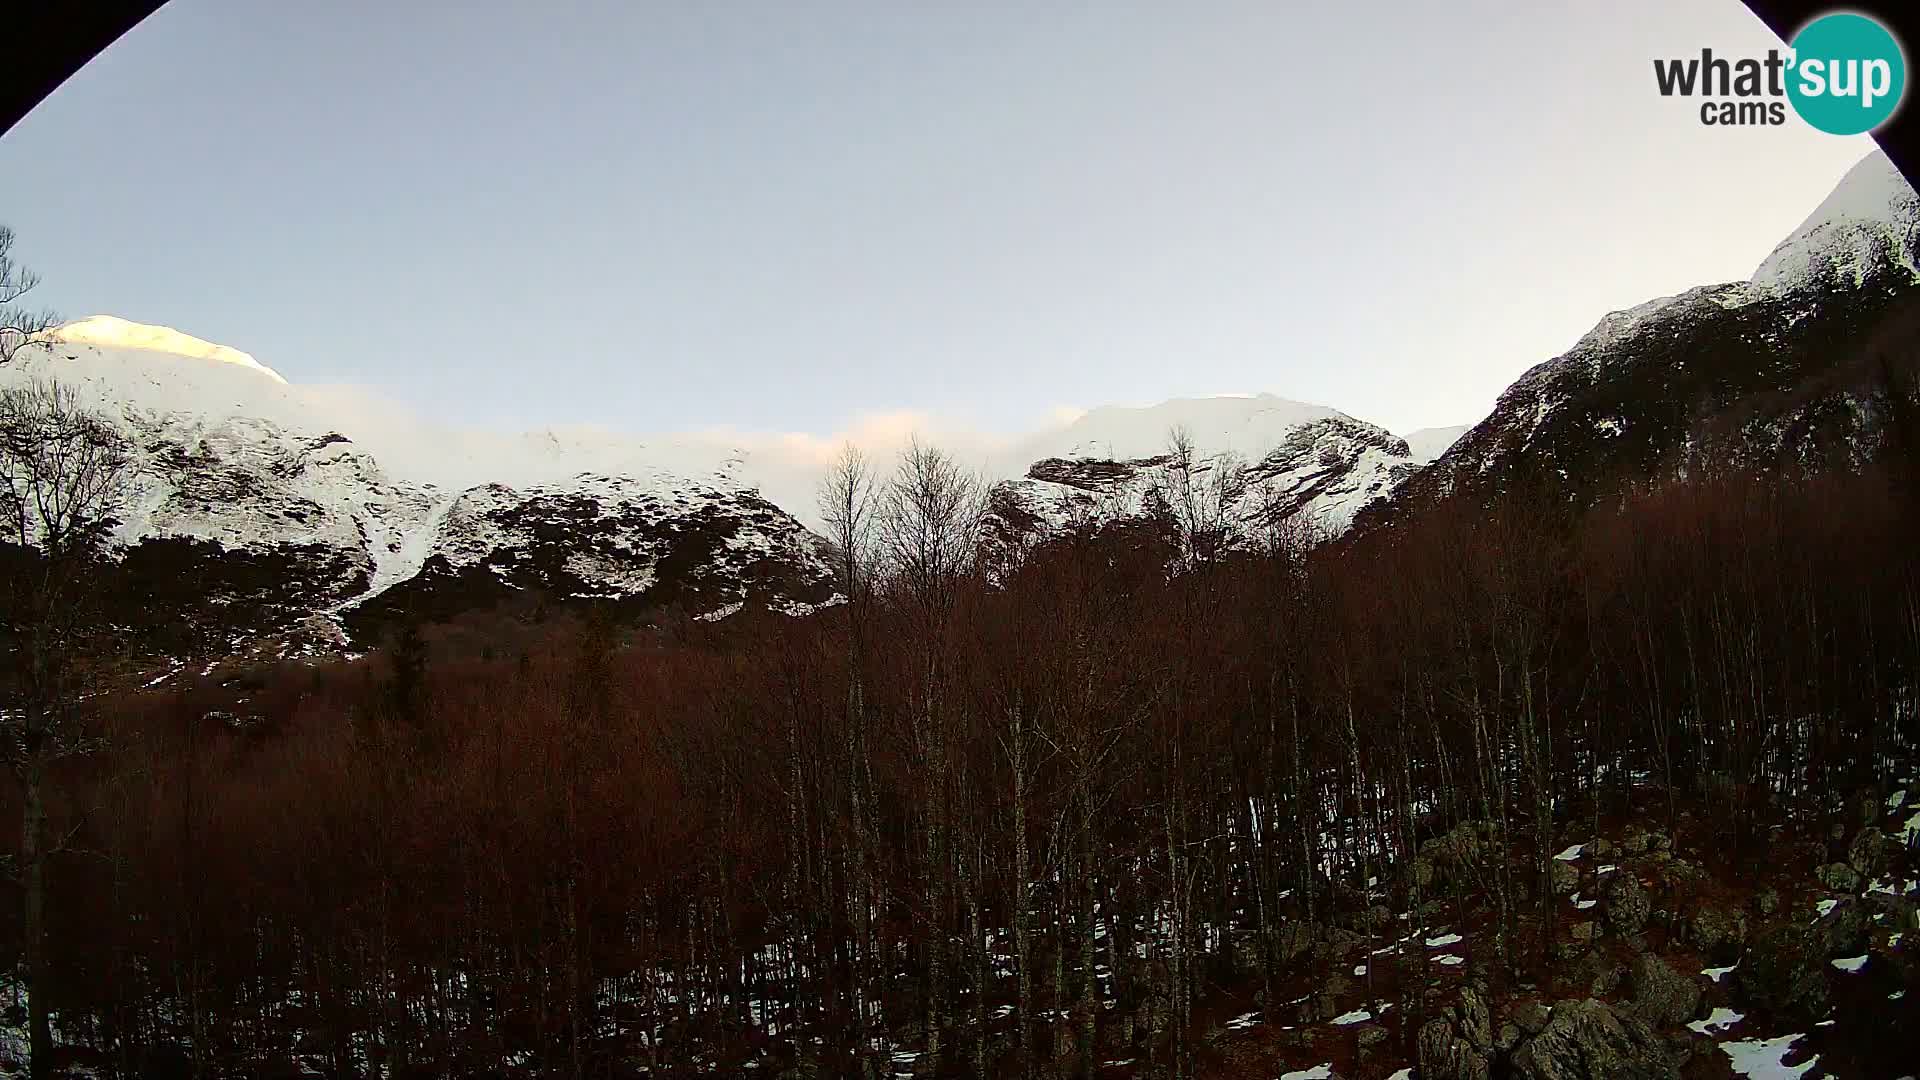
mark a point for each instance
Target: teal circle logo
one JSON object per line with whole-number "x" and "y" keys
{"x": 1848, "y": 74}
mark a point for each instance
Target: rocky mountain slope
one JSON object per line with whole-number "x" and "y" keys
{"x": 248, "y": 500}
{"x": 1810, "y": 362}
{"x": 1256, "y": 462}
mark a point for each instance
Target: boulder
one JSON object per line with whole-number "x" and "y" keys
{"x": 1661, "y": 995}
{"x": 1838, "y": 877}
{"x": 1627, "y": 905}
{"x": 1292, "y": 940}
{"x": 1531, "y": 1017}
{"x": 1464, "y": 846}
{"x": 1563, "y": 877}
{"x": 1719, "y": 932}
{"x": 1318, "y": 1007}
{"x": 1893, "y": 913}
{"x": 1688, "y": 1045}
{"x": 1368, "y": 1039}
{"x": 1680, "y": 873}
{"x": 1446, "y": 1056}
{"x": 1844, "y": 930}
{"x": 1871, "y": 853}
{"x": 1785, "y": 973}
{"x": 1593, "y": 975}
{"x": 1588, "y": 1040}
{"x": 1472, "y": 1019}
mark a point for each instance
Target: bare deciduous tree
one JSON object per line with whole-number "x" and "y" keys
{"x": 1203, "y": 495}
{"x": 929, "y": 525}
{"x": 19, "y": 324}
{"x": 63, "y": 470}
{"x": 929, "y": 534}
{"x": 846, "y": 501}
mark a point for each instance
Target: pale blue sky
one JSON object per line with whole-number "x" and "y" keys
{"x": 784, "y": 216}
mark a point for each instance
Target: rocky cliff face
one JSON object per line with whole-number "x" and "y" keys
{"x": 1806, "y": 364}
{"x": 1264, "y": 464}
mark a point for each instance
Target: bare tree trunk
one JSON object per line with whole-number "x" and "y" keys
{"x": 33, "y": 824}
{"x": 1088, "y": 946}
{"x": 1017, "y": 909}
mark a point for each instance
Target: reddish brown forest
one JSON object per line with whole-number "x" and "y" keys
{"x": 1023, "y": 815}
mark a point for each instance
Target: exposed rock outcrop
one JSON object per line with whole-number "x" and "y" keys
{"x": 1627, "y": 905}
{"x": 1661, "y": 995}
{"x": 1589, "y": 1040}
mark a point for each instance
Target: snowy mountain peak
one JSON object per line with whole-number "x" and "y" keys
{"x": 113, "y": 332}
{"x": 1867, "y": 229}
{"x": 1427, "y": 444}
{"x": 1271, "y": 458}
{"x": 1766, "y": 373}
{"x": 1870, "y": 222}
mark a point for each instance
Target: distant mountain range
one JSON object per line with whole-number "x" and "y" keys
{"x": 301, "y": 529}
{"x": 267, "y": 497}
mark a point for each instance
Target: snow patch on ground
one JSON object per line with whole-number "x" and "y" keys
{"x": 1245, "y": 1021}
{"x": 1719, "y": 1020}
{"x": 1765, "y": 1059}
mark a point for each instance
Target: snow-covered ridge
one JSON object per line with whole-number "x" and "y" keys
{"x": 162, "y": 374}
{"x": 114, "y": 332}
{"x": 1426, "y": 444}
{"x": 355, "y": 498}
{"x": 1271, "y": 460}
{"x": 1868, "y": 225}
{"x": 1649, "y": 379}
{"x": 232, "y": 456}
{"x": 1870, "y": 222}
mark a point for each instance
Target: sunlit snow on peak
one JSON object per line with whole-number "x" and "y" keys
{"x": 113, "y": 332}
